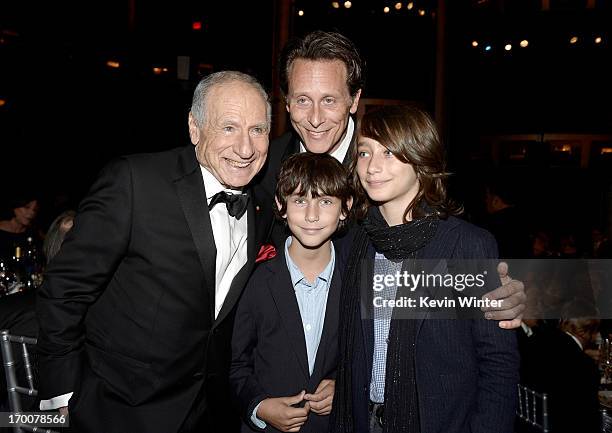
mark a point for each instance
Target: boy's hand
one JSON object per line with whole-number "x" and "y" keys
{"x": 321, "y": 400}
{"x": 512, "y": 293}
{"x": 279, "y": 413}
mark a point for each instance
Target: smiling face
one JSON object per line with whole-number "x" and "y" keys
{"x": 388, "y": 181}
{"x": 319, "y": 103}
{"x": 233, "y": 141}
{"x": 313, "y": 220}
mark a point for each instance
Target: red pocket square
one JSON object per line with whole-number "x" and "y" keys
{"x": 266, "y": 252}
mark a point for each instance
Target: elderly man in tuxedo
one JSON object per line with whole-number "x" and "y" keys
{"x": 136, "y": 310}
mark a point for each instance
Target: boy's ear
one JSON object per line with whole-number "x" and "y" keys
{"x": 279, "y": 206}
{"x": 349, "y": 204}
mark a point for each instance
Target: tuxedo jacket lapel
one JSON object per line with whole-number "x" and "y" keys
{"x": 283, "y": 293}
{"x": 349, "y": 154}
{"x": 192, "y": 194}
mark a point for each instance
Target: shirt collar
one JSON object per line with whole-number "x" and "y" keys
{"x": 296, "y": 274}
{"x": 342, "y": 150}
{"x": 576, "y": 340}
{"x": 213, "y": 186}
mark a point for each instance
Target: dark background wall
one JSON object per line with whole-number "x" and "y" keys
{"x": 66, "y": 112}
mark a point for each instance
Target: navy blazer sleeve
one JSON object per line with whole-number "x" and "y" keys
{"x": 498, "y": 363}
{"x": 246, "y": 389}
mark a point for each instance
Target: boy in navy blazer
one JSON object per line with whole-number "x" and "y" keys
{"x": 285, "y": 343}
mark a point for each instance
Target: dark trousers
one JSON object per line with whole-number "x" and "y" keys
{"x": 375, "y": 413}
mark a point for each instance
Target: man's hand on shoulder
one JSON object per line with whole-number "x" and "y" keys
{"x": 513, "y": 297}
{"x": 281, "y": 414}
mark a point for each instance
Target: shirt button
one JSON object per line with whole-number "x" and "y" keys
{"x": 308, "y": 327}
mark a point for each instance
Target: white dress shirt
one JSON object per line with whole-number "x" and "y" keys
{"x": 342, "y": 150}
{"x": 230, "y": 239}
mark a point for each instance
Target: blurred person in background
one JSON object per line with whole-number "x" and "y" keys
{"x": 56, "y": 233}
{"x": 505, "y": 220}
{"x": 565, "y": 372}
{"x": 18, "y": 311}
{"x": 17, "y": 222}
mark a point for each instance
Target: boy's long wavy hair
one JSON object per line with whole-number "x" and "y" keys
{"x": 410, "y": 133}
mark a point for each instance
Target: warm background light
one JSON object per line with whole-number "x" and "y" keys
{"x": 474, "y": 44}
{"x": 410, "y": 5}
{"x": 398, "y": 6}
{"x": 573, "y": 39}
{"x": 335, "y": 5}
{"x": 508, "y": 47}
{"x": 524, "y": 43}
{"x": 386, "y": 9}
{"x": 113, "y": 64}
{"x": 301, "y": 13}
{"x": 421, "y": 12}
{"x": 348, "y": 4}
{"x": 598, "y": 40}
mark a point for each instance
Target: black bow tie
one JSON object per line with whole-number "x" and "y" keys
{"x": 236, "y": 203}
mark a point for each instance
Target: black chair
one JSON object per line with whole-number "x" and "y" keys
{"x": 532, "y": 410}
{"x": 15, "y": 392}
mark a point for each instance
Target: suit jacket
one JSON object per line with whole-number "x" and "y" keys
{"x": 269, "y": 356}
{"x": 466, "y": 370}
{"x": 264, "y": 185}
{"x": 127, "y": 306}
{"x": 569, "y": 377}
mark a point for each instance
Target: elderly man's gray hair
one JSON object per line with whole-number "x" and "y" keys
{"x": 200, "y": 94}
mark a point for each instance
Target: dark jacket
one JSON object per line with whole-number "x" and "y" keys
{"x": 570, "y": 378}
{"x": 126, "y": 310}
{"x": 466, "y": 370}
{"x": 269, "y": 357}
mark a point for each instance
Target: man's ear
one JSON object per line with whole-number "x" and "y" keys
{"x": 349, "y": 204}
{"x": 355, "y": 104}
{"x": 194, "y": 131}
{"x": 279, "y": 206}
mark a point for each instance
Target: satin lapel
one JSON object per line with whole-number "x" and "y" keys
{"x": 283, "y": 293}
{"x": 192, "y": 195}
{"x": 349, "y": 153}
{"x": 292, "y": 148}
{"x": 329, "y": 336}
{"x": 241, "y": 278}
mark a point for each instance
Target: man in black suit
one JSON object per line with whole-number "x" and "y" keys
{"x": 562, "y": 369}
{"x": 136, "y": 310}
{"x": 322, "y": 76}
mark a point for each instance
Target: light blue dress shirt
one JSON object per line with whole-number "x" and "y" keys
{"x": 312, "y": 302}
